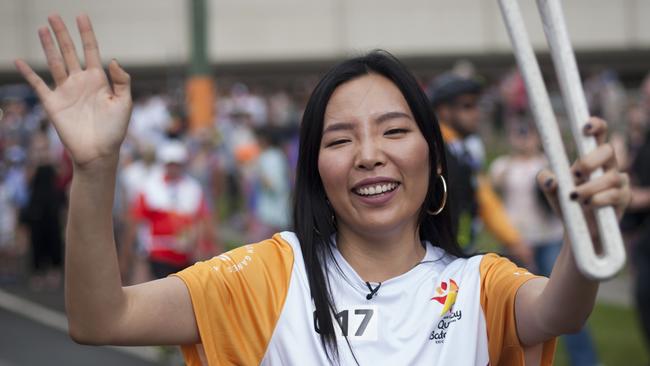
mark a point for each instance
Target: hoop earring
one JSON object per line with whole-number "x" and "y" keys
{"x": 444, "y": 198}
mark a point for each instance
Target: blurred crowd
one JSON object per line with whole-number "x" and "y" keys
{"x": 184, "y": 195}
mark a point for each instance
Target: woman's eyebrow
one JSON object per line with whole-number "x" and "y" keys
{"x": 392, "y": 115}
{"x": 338, "y": 126}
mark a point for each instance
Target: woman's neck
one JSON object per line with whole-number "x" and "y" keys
{"x": 379, "y": 257}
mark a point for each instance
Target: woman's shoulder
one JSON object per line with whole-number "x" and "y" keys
{"x": 501, "y": 276}
{"x": 484, "y": 264}
{"x": 278, "y": 249}
{"x": 447, "y": 262}
{"x": 263, "y": 268}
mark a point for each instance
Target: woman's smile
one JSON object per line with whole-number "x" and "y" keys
{"x": 376, "y": 191}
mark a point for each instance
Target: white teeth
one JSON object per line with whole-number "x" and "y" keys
{"x": 376, "y": 189}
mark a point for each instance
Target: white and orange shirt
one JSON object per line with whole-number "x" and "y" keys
{"x": 253, "y": 307}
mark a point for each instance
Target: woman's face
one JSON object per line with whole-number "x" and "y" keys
{"x": 373, "y": 159}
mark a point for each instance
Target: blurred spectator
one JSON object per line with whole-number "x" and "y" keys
{"x": 133, "y": 175}
{"x": 18, "y": 123}
{"x": 515, "y": 177}
{"x": 645, "y": 94}
{"x": 282, "y": 110}
{"x": 513, "y": 100}
{"x": 272, "y": 186}
{"x": 14, "y": 178}
{"x": 455, "y": 103}
{"x": 640, "y": 209}
{"x": 174, "y": 208}
{"x": 242, "y": 150}
{"x": 627, "y": 143}
{"x": 42, "y": 214}
{"x": 606, "y": 97}
{"x": 8, "y": 223}
{"x": 177, "y": 126}
{"x": 206, "y": 165}
{"x": 637, "y": 220}
{"x": 242, "y": 100}
{"x": 13, "y": 196}
{"x": 150, "y": 120}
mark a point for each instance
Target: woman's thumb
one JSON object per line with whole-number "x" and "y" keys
{"x": 547, "y": 183}
{"x": 121, "y": 80}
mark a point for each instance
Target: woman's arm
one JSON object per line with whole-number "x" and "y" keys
{"x": 91, "y": 117}
{"x": 562, "y": 304}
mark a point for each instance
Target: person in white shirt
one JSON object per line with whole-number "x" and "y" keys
{"x": 272, "y": 185}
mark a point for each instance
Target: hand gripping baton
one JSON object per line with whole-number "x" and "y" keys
{"x": 591, "y": 264}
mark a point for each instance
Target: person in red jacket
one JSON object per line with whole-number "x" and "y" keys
{"x": 174, "y": 206}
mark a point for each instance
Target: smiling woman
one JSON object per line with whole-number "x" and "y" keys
{"x": 371, "y": 274}
{"x": 381, "y": 146}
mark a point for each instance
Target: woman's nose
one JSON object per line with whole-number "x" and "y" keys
{"x": 370, "y": 155}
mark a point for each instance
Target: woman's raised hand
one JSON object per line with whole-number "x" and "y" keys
{"x": 89, "y": 113}
{"x": 612, "y": 188}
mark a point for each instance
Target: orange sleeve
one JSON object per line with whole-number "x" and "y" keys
{"x": 494, "y": 215}
{"x": 237, "y": 299}
{"x": 500, "y": 281}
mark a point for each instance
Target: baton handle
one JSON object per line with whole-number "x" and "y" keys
{"x": 592, "y": 265}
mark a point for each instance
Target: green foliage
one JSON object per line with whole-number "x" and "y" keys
{"x": 618, "y": 337}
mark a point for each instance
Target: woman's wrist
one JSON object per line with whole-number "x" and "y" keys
{"x": 98, "y": 168}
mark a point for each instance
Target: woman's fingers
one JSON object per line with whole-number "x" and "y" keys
{"x": 120, "y": 78}
{"x": 611, "y": 179}
{"x": 52, "y": 55}
{"x": 601, "y": 157}
{"x": 33, "y": 79}
{"x": 596, "y": 127}
{"x": 617, "y": 195}
{"x": 608, "y": 197}
{"x": 583, "y": 168}
{"x": 91, "y": 50}
{"x": 610, "y": 189}
{"x": 65, "y": 43}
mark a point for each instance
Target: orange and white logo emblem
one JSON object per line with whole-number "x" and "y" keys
{"x": 446, "y": 295}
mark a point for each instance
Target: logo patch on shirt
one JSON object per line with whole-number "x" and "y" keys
{"x": 446, "y": 295}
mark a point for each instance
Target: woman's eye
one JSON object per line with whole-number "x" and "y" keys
{"x": 395, "y": 131}
{"x": 336, "y": 142}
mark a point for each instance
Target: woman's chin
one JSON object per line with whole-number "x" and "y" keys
{"x": 383, "y": 225}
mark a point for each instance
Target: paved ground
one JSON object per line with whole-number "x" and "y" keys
{"x": 24, "y": 341}
{"x": 33, "y": 332}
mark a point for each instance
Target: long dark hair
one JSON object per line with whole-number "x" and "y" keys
{"x": 314, "y": 221}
